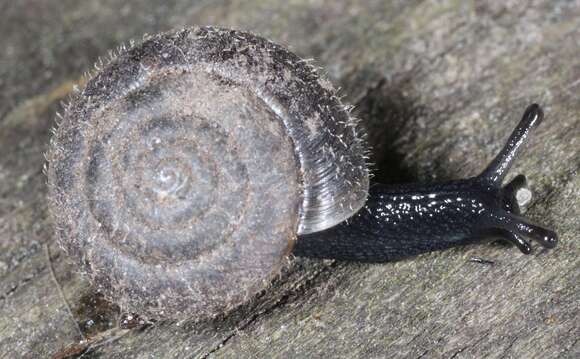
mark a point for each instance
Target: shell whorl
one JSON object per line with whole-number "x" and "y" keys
{"x": 182, "y": 173}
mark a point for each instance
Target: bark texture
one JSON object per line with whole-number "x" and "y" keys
{"x": 438, "y": 86}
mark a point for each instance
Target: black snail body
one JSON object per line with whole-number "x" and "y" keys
{"x": 191, "y": 165}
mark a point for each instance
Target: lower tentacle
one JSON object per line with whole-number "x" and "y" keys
{"x": 503, "y": 234}
{"x": 547, "y": 238}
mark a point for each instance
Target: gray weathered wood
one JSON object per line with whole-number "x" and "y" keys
{"x": 438, "y": 85}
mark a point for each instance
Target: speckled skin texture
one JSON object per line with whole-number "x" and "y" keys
{"x": 402, "y": 221}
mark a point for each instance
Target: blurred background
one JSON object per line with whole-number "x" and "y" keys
{"x": 438, "y": 86}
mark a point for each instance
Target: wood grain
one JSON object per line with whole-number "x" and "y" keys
{"x": 438, "y": 85}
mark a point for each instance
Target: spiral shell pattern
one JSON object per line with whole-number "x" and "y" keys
{"x": 180, "y": 174}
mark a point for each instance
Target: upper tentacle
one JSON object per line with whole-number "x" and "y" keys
{"x": 498, "y": 168}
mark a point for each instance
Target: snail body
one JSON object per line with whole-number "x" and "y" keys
{"x": 191, "y": 165}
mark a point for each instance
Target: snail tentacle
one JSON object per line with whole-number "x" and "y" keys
{"x": 499, "y": 167}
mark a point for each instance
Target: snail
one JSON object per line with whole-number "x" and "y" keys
{"x": 193, "y": 164}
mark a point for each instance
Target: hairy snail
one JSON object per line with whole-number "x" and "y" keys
{"x": 192, "y": 164}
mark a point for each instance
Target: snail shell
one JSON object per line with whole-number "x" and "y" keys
{"x": 183, "y": 171}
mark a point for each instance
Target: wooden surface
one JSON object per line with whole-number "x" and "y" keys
{"x": 439, "y": 86}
